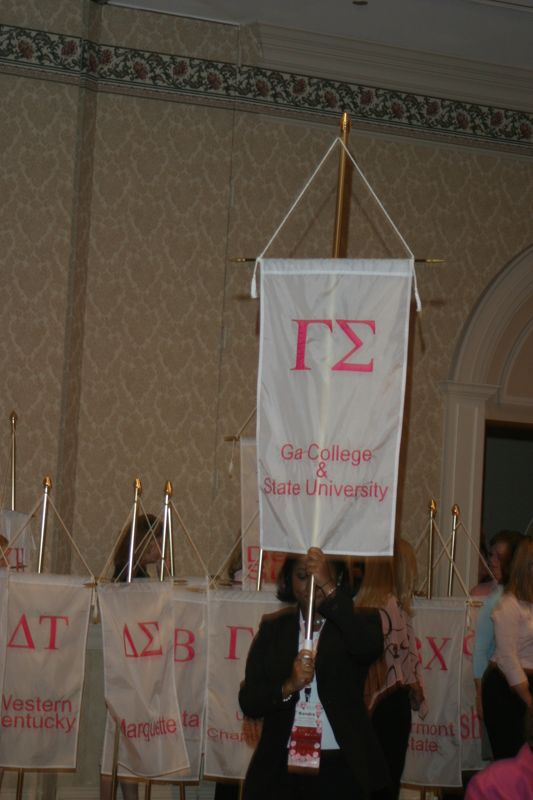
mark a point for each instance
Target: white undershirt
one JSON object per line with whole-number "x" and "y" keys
{"x": 328, "y": 737}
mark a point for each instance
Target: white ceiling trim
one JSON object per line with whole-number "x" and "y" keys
{"x": 387, "y": 67}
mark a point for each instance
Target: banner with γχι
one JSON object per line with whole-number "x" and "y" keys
{"x": 140, "y": 685}
{"x": 332, "y": 364}
{"x": 47, "y": 622}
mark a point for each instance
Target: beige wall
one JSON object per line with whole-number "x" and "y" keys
{"x": 127, "y": 349}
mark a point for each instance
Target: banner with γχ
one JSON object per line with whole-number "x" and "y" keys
{"x": 332, "y": 364}
{"x": 47, "y": 622}
{"x": 434, "y": 751}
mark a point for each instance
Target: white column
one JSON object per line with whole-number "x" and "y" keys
{"x": 462, "y": 476}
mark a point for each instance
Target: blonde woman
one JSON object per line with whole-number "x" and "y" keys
{"x": 394, "y": 685}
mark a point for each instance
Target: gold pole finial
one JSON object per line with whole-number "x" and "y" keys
{"x": 456, "y": 511}
{"x": 47, "y": 482}
{"x": 432, "y": 506}
{"x": 13, "y": 419}
{"x": 137, "y": 485}
{"x": 345, "y": 123}
{"x": 168, "y": 488}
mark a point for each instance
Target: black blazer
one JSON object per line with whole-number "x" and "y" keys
{"x": 350, "y": 641}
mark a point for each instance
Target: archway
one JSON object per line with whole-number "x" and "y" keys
{"x": 490, "y": 378}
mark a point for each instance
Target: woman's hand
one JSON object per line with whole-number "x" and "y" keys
{"x": 316, "y": 564}
{"x": 303, "y": 669}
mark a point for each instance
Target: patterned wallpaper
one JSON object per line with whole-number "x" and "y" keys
{"x": 128, "y": 346}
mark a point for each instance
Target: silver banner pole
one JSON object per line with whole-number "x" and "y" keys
{"x": 166, "y": 514}
{"x": 456, "y": 513}
{"x": 172, "y": 564}
{"x": 13, "y": 419}
{"x": 47, "y": 484}
{"x": 137, "y": 486}
{"x": 432, "y": 511}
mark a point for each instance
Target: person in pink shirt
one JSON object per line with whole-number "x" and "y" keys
{"x": 508, "y": 779}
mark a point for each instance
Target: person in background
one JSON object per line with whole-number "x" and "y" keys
{"x": 394, "y": 684}
{"x": 503, "y": 548}
{"x": 507, "y": 684}
{"x": 509, "y": 778}
{"x": 329, "y": 681}
{"x": 148, "y": 540}
{"x": 487, "y": 581}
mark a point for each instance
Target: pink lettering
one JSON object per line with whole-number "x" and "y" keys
{"x": 234, "y": 633}
{"x": 301, "y": 339}
{"x": 344, "y": 325}
{"x": 23, "y": 626}
{"x": 53, "y": 628}
{"x": 437, "y": 651}
{"x": 186, "y": 645}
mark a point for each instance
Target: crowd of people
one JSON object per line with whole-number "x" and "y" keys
{"x": 355, "y": 688}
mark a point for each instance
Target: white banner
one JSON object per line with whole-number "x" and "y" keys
{"x": 250, "y": 546}
{"x": 4, "y": 576}
{"x": 332, "y": 365}
{"x": 471, "y": 725}
{"x": 434, "y": 751}
{"x": 140, "y": 687}
{"x": 190, "y": 662}
{"x": 233, "y": 620}
{"x": 21, "y": 556}
{"x": 47, "y": 621}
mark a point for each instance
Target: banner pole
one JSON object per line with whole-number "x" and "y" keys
{"x": 172, "y": 566}
{"x": 13, "y": 420}
{"x": 432, "y": 511}
{"x": 137, "y": 486}
{"x": 166, "y": 515}
{"x": 338, "y": 237}
{"x": 456, "y": 513}
{"x": 114, "y": 771}
{"x": 259, "y": 571}
{"x": 20, "y": 783}
{"x": 338, "y": 242}
{"x": 47, "y": 484}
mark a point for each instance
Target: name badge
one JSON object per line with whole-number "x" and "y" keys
{"x": 305, "y": 739}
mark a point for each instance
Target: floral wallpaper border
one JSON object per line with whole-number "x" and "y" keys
{"x": 112, "y": 66}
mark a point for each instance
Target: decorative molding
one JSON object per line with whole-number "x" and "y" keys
{"x": 499, "y": 304}
{"x": 112, "y": 68}
{"x": 394, "y": 67}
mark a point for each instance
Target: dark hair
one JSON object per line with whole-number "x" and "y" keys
{"x": 512, "y": 539}
{"x": 284, "y": 582}
{"x": 146, "y": 526}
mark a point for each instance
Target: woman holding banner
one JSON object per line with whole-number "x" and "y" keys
{"x": 312, "y": 703}
{"x": 508, "y": 681}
